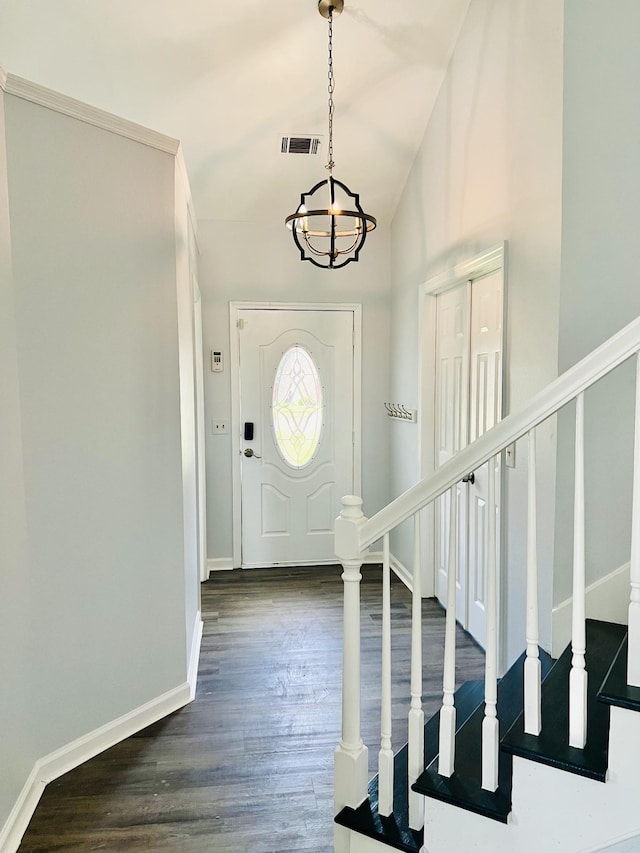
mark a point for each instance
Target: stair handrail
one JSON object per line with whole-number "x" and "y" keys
{"x": 582, "y": 375}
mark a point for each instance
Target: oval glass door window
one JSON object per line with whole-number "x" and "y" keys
{"x": 297, "y": 407}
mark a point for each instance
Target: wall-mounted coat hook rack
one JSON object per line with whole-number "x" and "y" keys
{"x": 399, "y": 412}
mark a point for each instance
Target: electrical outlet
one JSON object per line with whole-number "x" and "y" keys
{"x": 219, "y": 427}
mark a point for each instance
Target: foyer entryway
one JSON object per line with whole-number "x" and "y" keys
{"x": 248, "y": 765}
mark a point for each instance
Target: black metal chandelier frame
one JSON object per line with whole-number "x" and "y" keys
{"x": 340, "y": 222}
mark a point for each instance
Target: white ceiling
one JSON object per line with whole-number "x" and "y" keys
{"x": 229, "y": 79}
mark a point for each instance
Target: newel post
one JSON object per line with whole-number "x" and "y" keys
{"x": 351, "y": 756}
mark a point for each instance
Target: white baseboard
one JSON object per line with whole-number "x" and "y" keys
{"x": 372, "y": 558}
{"x": 606, "y": 599}
{"x": 220, "y": 564}
{"x": 21, "y": 813}
{"x": 402, "y": 572}
{"x": 60, "y": 761}
{"x": 396, "y": 567}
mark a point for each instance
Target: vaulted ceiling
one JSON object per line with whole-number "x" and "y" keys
{"x": 230, "y": 79}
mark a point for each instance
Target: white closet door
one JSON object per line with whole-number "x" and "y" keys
{"x": 468, "y": 403}
{"x": 452, "y": 430}
{"x": 485, "y": 407}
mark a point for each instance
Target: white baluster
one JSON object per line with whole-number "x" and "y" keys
{"x": 578, "y": 674}
{"x": 385, "y": 756}
{"x": 490, "y": 725}
{"x": 532, "y": 678}
{"x": 351, "y": 766}
{"x": 447, "y": 743}
{"x": 633, "y": 662}
{"x": 416, "y": 714}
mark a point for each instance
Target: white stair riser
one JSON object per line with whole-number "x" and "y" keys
{"x": 552, "y": 810}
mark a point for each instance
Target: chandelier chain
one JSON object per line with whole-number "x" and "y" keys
{"x": 330, "y": 89}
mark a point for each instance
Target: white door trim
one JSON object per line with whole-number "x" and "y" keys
{"x": 492, "y": 260}
{"x": 234, "y": 360}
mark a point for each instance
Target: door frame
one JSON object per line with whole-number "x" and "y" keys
{"x": 492, "y": 260}
{"x": 234, "y": 362}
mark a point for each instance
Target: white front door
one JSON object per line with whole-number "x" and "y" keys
{"x": 297, "y": 431}
{"x": 468, "y": 403}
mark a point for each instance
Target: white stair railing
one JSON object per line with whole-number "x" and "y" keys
{"x": 633, "y": 661}
{"x": 532, "y": 669}
{"x": 447, "y": 743}
{"x": 385, "y": 756}
{"x": 355, "y": 534}
{"x": 490, "y": 725}
{"x": 578, "y": 674}
{"x": 351, "y": 763}
{"x": 416, "y": 713}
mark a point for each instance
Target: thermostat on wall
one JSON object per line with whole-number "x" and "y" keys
{"x": 217, "y": 365}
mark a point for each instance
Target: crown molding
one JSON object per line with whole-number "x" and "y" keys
{"x": 65, "y": 105}
{"x": 3, "y": 79}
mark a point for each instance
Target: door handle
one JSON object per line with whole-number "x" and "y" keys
{"x": 468, "y": 478}
{"x": 249, "y": 453}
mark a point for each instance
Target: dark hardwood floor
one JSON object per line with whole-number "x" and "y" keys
{"x": 248, "y": 765}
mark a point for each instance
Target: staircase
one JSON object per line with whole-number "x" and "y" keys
{"x": 546, "y": 757}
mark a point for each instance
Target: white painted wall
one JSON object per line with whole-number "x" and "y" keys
{"x": 17, "y": 747}
{"x": 249, "y": 261}
{"x": 92, "y": 583}
{"x": 601, "y": 187}
{"x": 488, "y": 170}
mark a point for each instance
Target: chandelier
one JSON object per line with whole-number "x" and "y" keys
{"x": 329, "y": 226}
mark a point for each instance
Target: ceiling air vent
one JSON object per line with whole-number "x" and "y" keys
{"x": 300, "y": 144}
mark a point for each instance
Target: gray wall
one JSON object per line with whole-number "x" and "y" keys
{"x": 260, "y": 262}
{"x": 488, "y": 170}
{"x": 96, "y": 613}
{"x": 17, "y": 747}
{"x": 600, "y": 294}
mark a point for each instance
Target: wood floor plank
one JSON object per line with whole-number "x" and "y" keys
{"x": 248, "y": 766}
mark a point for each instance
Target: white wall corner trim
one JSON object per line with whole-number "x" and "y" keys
{"x": 182, "y": 169}
{"x": 219, "y": 564}
{"x": 56, "y": 763}
{"x": 192, "y": 672}
{"x": 3, "y": 79}
{"x": 607, "y": 599}
{"x": 73, "y": 108}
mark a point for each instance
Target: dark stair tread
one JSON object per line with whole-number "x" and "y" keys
{"x": 551, "y": 747}
{"x": 464, "y": 787}
{"x": 394, "y": 830}
{"x": 614, "y": 689}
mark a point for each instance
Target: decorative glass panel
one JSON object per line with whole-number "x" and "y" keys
{"x": 297, "y": 407}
